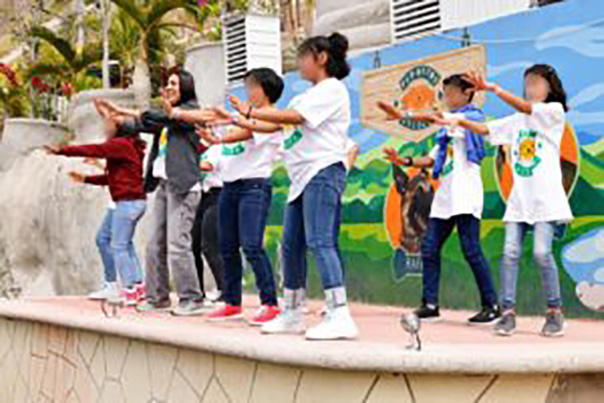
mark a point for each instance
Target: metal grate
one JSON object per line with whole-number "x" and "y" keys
{"x": 235, "y": 48}
{"x": 411, "y": 18}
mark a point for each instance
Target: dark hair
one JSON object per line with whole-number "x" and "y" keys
{"x": 336, "y": 48}
{"x": 457, "y": 80}
{"x": 271, "y": 83}
{"x": 128, "y": 128}
{"x": 186, "y": 84}
{"x": 556, "y": 89}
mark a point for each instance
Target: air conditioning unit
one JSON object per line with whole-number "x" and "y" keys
{"x": 250, "y": 41}
{"x": 412, "y": 18}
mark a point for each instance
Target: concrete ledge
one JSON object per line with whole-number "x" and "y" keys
{"x": 380, "y": 347}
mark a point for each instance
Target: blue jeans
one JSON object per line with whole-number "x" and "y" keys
{"x": 115, "y": 242}
{"x": 515, "y": 233}
{"x": 243, "y": 211}
{"x": 437, "y": 233}
{"x": 312, "y": 221}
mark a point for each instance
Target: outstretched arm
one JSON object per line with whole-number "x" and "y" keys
{"x": 254, "y": 125}
{"x": 277, "y": 116}
{"x": 113, "y": 108}
{"x": 233, "y": 135}
{"x": 419, "y": 162}
{"x": 481, "y": 84}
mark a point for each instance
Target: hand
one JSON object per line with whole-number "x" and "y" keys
{"x": 221, "y": 113}
{"x": 52, "y": 149}
{"x": 392, "y": 156}
{"x": 77, "y": 177}
{"x": 391, "y": 112}
{"x": 107, "y": 105}
{"x": 442, "y": 121}
{"x": 479, "y": 82}
{"x": 240, "y": 106}
{"x": 207, "y": 136}
{"x": 166, "y": 105}
{"x": 94, "y": 162}
{"x": 206, "y": 166}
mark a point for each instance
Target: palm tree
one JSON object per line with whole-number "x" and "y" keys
{"x": 151, "y": 19}
{"x": 73, "y": 63}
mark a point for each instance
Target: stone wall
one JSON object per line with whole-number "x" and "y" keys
{"x": 46, "y": 363}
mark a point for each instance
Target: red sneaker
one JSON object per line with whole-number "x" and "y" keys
{"x": 141, "y": 292}
{"x": 225, "y": 313}
{"x": 130, "y": 296}
{"x": 264, "y": 314}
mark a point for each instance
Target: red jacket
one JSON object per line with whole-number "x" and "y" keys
{"x": 124, "y": 172}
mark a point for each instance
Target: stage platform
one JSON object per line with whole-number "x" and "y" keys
{"x": 64, "y": 349}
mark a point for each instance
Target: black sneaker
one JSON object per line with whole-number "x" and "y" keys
{"x": 487, "y": 316}
{"x": 506, "y": 326}
{"x": 428, "y": 313}
{"x": 554, "y": 325}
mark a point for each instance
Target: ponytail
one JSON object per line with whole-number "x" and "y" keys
{"x": 336, "y": 48}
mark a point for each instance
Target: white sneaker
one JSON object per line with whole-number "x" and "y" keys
{"x": 109, "y": 290}
{"x": 290, "y": 321}
{"x": 337, "y": 323}
{"x": 291, "y": 318}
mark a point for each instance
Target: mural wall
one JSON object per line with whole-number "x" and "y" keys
{"x": 569, "y": 36}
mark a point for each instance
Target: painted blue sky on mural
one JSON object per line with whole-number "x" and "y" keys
{"x": 568, "y": 35}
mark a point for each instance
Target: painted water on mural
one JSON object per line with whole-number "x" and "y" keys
{"x": 564, "y": 35}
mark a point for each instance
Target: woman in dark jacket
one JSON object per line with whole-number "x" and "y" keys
{"x": 172, "y": 172}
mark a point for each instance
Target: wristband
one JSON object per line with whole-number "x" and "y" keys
{"x": 175, "y": 114}
{"x": 409, "y": 161}
{"x": 249, "y": 112}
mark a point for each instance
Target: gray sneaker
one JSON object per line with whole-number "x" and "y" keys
{"x": 151, "y": 306}
{"x": 554, "y": 325}
{"x": 506, "y": 326}
{"x": 189, "y": 308}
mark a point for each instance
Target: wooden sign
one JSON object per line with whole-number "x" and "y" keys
{"x": 416, "y": 86}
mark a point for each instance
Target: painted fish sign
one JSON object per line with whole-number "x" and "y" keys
{"x": 415, "y": 86}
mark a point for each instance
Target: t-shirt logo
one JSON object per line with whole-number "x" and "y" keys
{"x": 293, "y": 139}
{"x": 449, "y": 165}
{"x": 233, "y": 150}
{"x": 527, "y": 159}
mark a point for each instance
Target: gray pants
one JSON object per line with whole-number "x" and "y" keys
{"x": 169, "y": 247}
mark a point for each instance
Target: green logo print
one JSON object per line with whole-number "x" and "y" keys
{"x": 293, "y": 139}
{"x": 231, "y": 151}
{"x": 525, "y": 152}
{"x": 419, "y": 96}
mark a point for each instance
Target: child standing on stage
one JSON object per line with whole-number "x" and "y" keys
{"x": 458, "y": 202}
{"x": 316, "y": 124}
{"x": 205, "y": 233}
{"x": 537, "y": 199}
{"x": 124, "y": 152}
{"x": 245, "y": 169}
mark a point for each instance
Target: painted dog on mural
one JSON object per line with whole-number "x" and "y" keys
{"x": 416, "y": 194}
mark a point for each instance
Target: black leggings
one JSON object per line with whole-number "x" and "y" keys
{"x": 205, "y": 238}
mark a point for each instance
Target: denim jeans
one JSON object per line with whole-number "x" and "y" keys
{"x": 115, "y": 242}
{"x": 515, "y": 233}
{"x": 243, "y": 211}
{"x": 205, "y": 237}
{"x": 437, "y": 233}
{"x": 312, "y": 221}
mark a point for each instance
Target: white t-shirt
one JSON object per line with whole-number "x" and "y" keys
{"x": 212, "y": 179}
{"x": 537, "y": 194}
{"x": 350, "y": 144}
{"x": 460, "y": 190}
{"x": 250, "y": 159}
{"x": 321, "y": 140}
